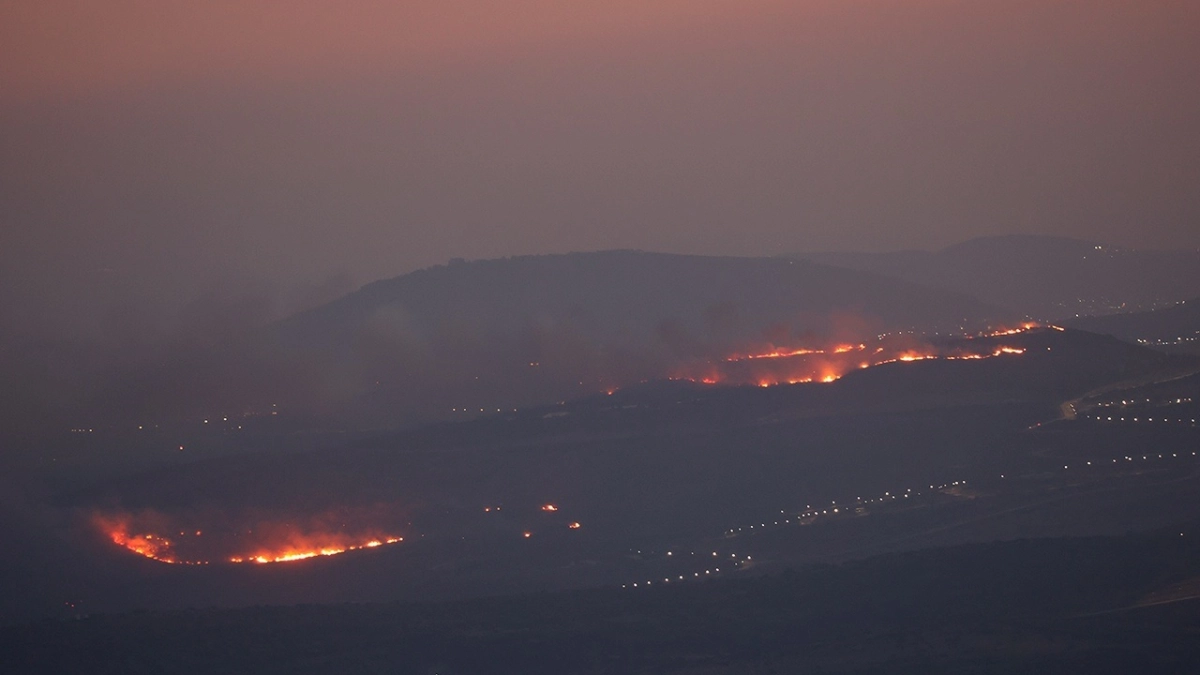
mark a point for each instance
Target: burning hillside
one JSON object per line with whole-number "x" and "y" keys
{"x": 179, "y": 541}
{"x": 794, "y": 364}
{"x": 208, "y": 537}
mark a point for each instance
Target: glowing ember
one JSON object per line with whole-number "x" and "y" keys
{"x": 288, "y": 555}
{"x": 788, "y": 353}
{"x": 1023, "y": 328}
{"x": 549, "y": 507}
{"x": 155, "y": 548}
{"x": 775, "y": 354}
{"x": 574, "y": 526}
{"x": 776, "y": 365}
{"x": 276, "y": 543}
{"x": 146, "y": 544}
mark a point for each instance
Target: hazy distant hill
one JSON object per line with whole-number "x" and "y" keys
{"x": 628, "y": 297}
{"x": 472, "y": 335}
{"x": 1046, "y": 277}
{"x": 1174, "y": 327}
{"x": 495, "y": 333}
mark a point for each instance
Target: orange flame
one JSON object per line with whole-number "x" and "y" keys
{"x": 119, "y": 530}
{"x": 148, "y": 545}
{"x": 137, "y": 533}
{"x": 795, "y": 365}
{"x": 311, "y": 550}
{"x": 1023, "y": 328}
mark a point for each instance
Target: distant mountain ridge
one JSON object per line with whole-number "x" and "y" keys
{"x": 620, "y": 295}
{"x": 494, "y": 334}
{"x": 1045, "y": 277}
{"x": 499, "y": 333}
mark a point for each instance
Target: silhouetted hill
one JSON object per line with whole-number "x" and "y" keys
{"x": 621, "y": 298}
{"x": 1045, "y": 277}
{"x": 499, "y": 333}
{"x": 486, "y": 335}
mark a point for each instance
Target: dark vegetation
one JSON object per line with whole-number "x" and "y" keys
{"x": 535, "y": 329}
{"x": 1046, "y": 606}
{"x": 538, "y": 329}
{"x": 490, "y": 333}
{"x": 650, "y": 468}
{"x": 418, "y": 405}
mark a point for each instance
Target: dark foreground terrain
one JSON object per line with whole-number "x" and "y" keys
{"x": 657, "y": 481}
{"x": 968, "y": 515}
{"x": 1096, "y": 605}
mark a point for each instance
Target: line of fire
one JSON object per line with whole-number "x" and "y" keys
{"x": 775, "y": 365}
{"x": 159, "y": 538}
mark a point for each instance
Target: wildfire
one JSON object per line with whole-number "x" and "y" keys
{"x": 788, "y": 353}
{"x": 139, "y": 533}
{"x": 797, "y": 365}
{"x": 774, "y": 354}
{"x": 1023, "y": 328}
{"x": 146, "y": 544}
{"x": 304, "y": 553}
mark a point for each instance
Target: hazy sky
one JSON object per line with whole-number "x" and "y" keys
{"x": 156, "y": 149}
